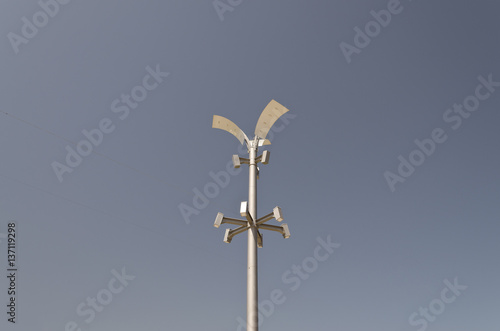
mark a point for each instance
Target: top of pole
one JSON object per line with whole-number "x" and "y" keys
{"x": 223, "y": 123}
{"x": 267, "y": 118}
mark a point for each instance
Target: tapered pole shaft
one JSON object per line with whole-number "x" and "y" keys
{"x": 252, "y": 283}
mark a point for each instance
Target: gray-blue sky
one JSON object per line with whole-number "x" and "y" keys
{"x": 120, "y": 207}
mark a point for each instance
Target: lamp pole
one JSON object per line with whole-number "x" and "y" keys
{"x": 252, "y": 224}
{"x": 252, "y": 272}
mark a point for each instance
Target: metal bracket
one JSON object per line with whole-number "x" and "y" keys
{"x": 250, "y": 223}
{"x": 237, "y": 161}
{"x": 264, "y": 158}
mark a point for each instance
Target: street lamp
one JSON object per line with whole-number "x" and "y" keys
{"x": 251, "y": 223}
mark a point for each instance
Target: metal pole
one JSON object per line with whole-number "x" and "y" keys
{"x": 269, "y": 115}
{"x": 252, "y": 285}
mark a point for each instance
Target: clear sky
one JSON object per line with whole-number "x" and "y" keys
{"x": 386, "y": 167}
